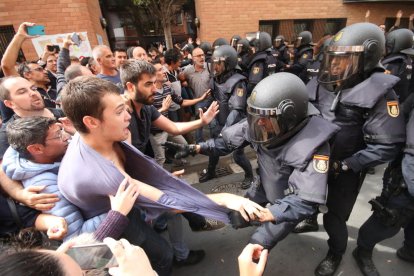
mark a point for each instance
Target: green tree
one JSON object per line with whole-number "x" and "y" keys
{"x": 165, "y": 11}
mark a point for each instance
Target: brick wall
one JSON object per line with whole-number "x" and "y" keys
{"x": 225, "y": 18}
{"x": 58, "y": 16}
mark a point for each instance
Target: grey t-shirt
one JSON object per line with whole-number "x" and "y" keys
{"x": 198, "y": 81}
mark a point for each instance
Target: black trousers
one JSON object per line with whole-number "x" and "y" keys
{"x": 374, "y": 230}
{"x": 158, "y": 250}
{"x": 343, "y": 191}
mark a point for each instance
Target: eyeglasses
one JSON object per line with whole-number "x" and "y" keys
{"x": 61, "y": 135}
{"x": 38, "y": 69}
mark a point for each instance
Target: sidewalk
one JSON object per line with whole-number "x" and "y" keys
{"x": 298, "y": 254}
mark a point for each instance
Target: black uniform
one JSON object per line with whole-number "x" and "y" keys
{"x": 372, "y": 131}
{"x": 397, "y": 199}
{"x": 303, "y": 57}
{"x": 231, "y": 97}
{"x": 261, "y": 65}
{"x": 400, "y": 65}
{"x": 293, "y": 175}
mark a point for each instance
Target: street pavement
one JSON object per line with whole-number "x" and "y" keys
{"x": 298, "y": 254}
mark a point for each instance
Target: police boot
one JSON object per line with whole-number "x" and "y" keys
{"x": 247, "y": 182}
{"x": 329, "y": 265}
{"x": 209, "y": 174}
{"x": 406, "y": 254}
{"x": 307, "y": 225}
{"x": 363, "y": 258}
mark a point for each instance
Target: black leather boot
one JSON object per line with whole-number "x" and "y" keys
{"x": 363, "y": 258}
{"x": 329, "y": 265}
{"x": 307, "y": 225}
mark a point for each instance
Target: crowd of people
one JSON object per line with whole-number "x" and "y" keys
{"x": 84, "y": 146}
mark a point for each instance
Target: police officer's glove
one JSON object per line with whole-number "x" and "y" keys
{"x": 339, "y": 167}
{"x": 237, "y": 221}
{"x": 180, "y": 150}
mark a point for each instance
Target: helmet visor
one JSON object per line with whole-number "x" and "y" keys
{"x": 277, "y": 43}
{"x": 233, "y": 42}
{"x": 262, "y": 128}
{"x": 219, "y": 66}
{"x": 336, "y": 67}
{"x": 297, "y": 42}
{"x": 239, "y": 48}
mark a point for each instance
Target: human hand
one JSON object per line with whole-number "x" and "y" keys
{"x": 180, "y": 150}
{"x": 206, "y": 95}
{"x": 58, "y": 229}
{"x": 67, "y": 125}
{"x": 166, "y": 103}
{"x": 125, "y": 198}
{"x": 198, "y": 41}
{"x": 208, "y": 116}
{"x": 248, "y": 209}
{"x": 178, "y": 173}
{"x": 412, "y": 16}
{"x": 67, "y": 42}
{"x": 31, "y": 197}
{"x": 131, "y": 259}
{"x": 399, "y": 14}
{"x": 161, "y": 48}
{"x": 267, "y": 216}
{"x": 252, "y": 252}
{"x": 22, "y": 31}
{"x": 367, "y": 14}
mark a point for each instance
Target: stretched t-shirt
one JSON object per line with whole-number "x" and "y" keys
{"x": 86, "y": 179}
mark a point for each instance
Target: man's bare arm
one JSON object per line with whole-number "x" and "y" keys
{"x": 8, "y": 62}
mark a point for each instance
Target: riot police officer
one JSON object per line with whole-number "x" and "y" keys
{"x": 292, "y": 148}
{"x": 398, "y": 47}
{"x": 353, "y": 92}
{"x": 219, "y": 42}
{"x": 263, "y": 63}
{"x": 303, "y": 55}
{"x": 234, "y": 40}
{"x": 393, "y": 209}
{"x": 229, "y": 90}
{"x": 280, "y": 50}
{"x": 244, "y": 54}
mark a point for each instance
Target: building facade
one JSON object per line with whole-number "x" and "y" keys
{"x": 219, "y": 18}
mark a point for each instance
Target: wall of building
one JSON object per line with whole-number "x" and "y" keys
{"x": 58, "y": 16}
{"x": 220, "y": 18}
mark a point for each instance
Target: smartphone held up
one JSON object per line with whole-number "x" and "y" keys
{"x": 92, "y": 256}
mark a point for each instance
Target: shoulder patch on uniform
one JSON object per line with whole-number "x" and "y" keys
{"x": 240, "y": 92}
{"x": 321, "y": 163}
{"x": 256, "y": 70}
{"x": 305, "y": 56}
{"x": 393, "y": 108}
{"x": 338, "y": 36}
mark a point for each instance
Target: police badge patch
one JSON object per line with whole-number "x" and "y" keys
{"x": 240, "y": 92}
{"x": 256, "y": 70}
{"x": 321, "y": 163}
{"x": 393, "y": 109}
{"x": 338, "y": 36}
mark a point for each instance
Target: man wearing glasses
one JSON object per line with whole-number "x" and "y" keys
{"x": 198, "y": 77}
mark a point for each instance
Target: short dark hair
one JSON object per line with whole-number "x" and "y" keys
{"x": 82, "y": 97}
{"x": 132, "y": 70}
{"x": 41, "y": 263}
{"x": 27, "y": 131}
{"x": 120, "y": 50}
{"x": 172, "y": 56}
{"x": 156, "y": 60}
{"x": 24, "y": 68}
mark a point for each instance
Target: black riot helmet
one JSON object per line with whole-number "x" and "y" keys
{"x": 243, "y": 46}
{"x": 224, "y": 60}
{"x": 279, "y": 41}
{"x": 219, "y": 42}
{"x": 400, "y": 40}
{"x": 260, "y": 41}
{"x": 233, "y": 41}
{"x": 276, "y": 109}
{"x": 303, "y": 38}
{"x": 353, "y": 54}
{"x": 206, "y": 47}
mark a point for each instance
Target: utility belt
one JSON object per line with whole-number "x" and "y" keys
{"x": 392, "y": 217}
